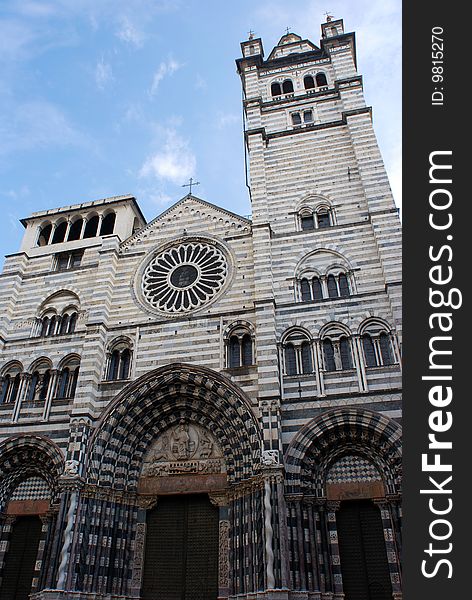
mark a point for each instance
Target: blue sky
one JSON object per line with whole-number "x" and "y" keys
{"x": 109, "y": 97}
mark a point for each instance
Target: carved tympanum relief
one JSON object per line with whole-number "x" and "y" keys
{"x": 183, "y": 448}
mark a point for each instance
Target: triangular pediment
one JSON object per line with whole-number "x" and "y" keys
{"x": 191, "y": 215}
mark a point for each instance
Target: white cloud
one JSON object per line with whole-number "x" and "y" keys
{"x": 103, "y": 74}
{"x": 129, "y": 33}
{"x": 165, "y": 69}
{"x": 175, "y": 162}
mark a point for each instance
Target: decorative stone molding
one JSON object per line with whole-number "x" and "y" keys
{"x": 223, "y": 555}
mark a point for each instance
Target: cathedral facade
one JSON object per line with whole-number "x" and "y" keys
{"x": 207, "y": 406}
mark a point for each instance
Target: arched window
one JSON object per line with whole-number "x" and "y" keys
{"x": 33, "y": 388}
{"x": 44, "y": 234}
{"x": 5, "y": 388}
{"x": 343, "y": 285}
{"x": 323, "y": 219}
{"x": 377, "y": 343}
{"x": 91, "y": 227}
{"x": 307, "y": 360}
{"x": 276, "y": 89}
{"x": 44, "y": 326}
{"x": 307, "y": 220}
{"x": 64, "y": 379}
{"x": 345, "y": 352}
{"x": 369, "y": 351}
{"x": 298, "y": 355}
{"x": 385, "y": 349}
{"x": 49, "y": 326}
{"x": 246, "y": 350}
{"x": 64, "y": 324}
{"x": 59, "y": 233}
{"x": 317, "y": 289}
{"x": 332, "y": 287}
{"x": 308, "y": 82}
{"x": 125, "y": 362}
{"x": 234, "y": 352}
{"x": 305, "y": 289}
{"x": 239, "y": 348}
{"x": 68, "y": 376}
{"x": 328, "y": 354}
{"x": 287, "y": 86}
{"x": 75, "y": 230}
{"x": 10, "y": 387}
{"x": 108, "y": 224}
{"x": 72, "y": 322}
{"x": 113, "y": 366}
{"x": 119, "y": 361}
{"x": 44, "y": 385}
{"x": 321, "y": 80}
{"x": 290, "y": 360}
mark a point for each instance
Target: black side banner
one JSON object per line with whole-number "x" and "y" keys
{"x": 437, "y": 227}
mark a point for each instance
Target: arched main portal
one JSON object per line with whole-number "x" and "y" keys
{"x": 180, "y": 436}
{"x": 343, "y": 471}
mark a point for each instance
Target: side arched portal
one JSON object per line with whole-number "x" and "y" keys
{"x": 343, "y": 470}
{"x": 30, "y": 467}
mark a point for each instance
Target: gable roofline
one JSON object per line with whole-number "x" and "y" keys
{"x": 181, "y": 201}
{"x": 296, "y": 43}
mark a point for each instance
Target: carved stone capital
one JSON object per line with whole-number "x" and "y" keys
{"x": 147, "y": 502}
{"x": 219, "y": 499}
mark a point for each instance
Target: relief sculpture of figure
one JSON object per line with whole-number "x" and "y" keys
{"x": 163, "y": 450}
{"x": 206, "y": 445}
{"x": 182, "y": 446}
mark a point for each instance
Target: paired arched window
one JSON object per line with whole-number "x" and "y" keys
{"x": 377, "y": 345}
{"x": 312, "y": 83}
{"x": 278, "y": 89}
{"x": 67, "y": 378}
{"x": 312, "y": 288}
{"x": 304, "y": 117}
{"x": 119, "y": 361}
{"x": 298, "y": 354}
{"x": 337, "y": 351}
{"x": 239, "y": 348}
{"x": 320, "y": 218}
{"x": 378, "y": 350}
{"x": 39, "y": 381}
{"x": 10, "y": 385}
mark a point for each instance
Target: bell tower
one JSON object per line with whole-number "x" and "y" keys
{"x": 309, "y": 135}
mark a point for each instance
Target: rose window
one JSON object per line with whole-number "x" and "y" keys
{"x": 184, "y": 277}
